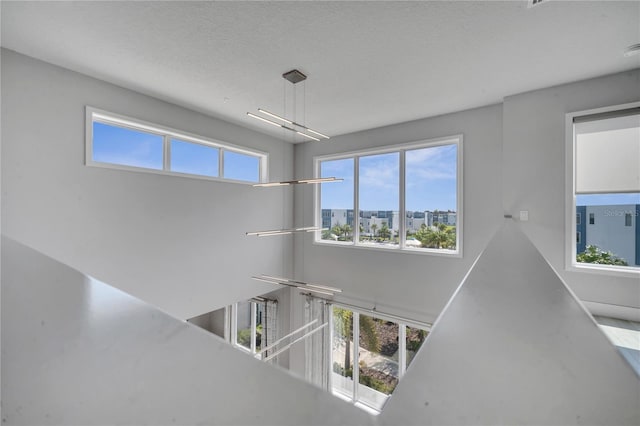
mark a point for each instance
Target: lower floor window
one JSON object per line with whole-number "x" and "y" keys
{"x": 380, "y": 349}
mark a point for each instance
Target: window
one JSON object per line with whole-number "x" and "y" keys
{"x": 247, "y": 325}
{"x": 384, "y": 350}
{"x": 337, "y": 200}
{"x": 603, "y": 177}
{"x": 116, "y": 141}
{"x": 193, "y": 158}
{"x": 405, "y": 197}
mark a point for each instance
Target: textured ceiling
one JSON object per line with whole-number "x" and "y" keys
{"x": 369, "y": 63}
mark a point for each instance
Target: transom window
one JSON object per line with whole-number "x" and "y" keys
{"x": 402, "y": 197}
{"x": 603, "y": 177}
{"x": 120, "y": 142}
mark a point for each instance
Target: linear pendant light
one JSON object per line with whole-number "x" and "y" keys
{"x": 283, "y": 231}
{"x": 298, "y": 182}
{"x": 293, "y": 123}
{"x": 301, "y": 285}
{"x": 273, "y": 123}
{"x": 294, "y": 76}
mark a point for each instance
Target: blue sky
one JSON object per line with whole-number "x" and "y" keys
{"x": 117, "y": 145}
{"x": 607, "y": 199}
{"x": 430, "y": 179}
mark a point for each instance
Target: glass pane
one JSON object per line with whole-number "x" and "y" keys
{"x": 336, "y": 200}
{"x": 431, "y": 197}
{"x": 378, "y": 351}
{"x": 342, "y": 351}
{"x": 379, "y": 194}
{"x": 611, "y": 233}
{"x": 415, "y": 339}
{"x": 243, "y": 324}
{"x": 126, "y": 147}
{"x": 259, "y": 316}
{"x": 193, "y": 158}
{"x": 241, "y": 166}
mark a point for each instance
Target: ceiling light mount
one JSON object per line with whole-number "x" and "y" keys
{"x": 294, "y": 76}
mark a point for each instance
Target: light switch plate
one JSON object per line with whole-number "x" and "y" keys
{"x": 524, "y": 215}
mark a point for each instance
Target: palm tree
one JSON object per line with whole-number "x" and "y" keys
{"x": 384, "y": 231}
{"x": 373, "y": 229}
{"x": 440, "y": 237}
{"x": 346, "y": 230}
{"x": 337, "y": 229}
{"x": 343, "y": 325}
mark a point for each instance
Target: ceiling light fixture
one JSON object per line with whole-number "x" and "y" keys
{"x": 301, "y": 285}
{"x": 293, "y": 76}
{"x": 634, "y": 49}
{"x": 298, "y": 181}
{"x": 293, "y": 123}
{"x": 284, "y": 231}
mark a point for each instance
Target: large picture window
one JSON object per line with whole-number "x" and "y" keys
{"x": 120, "y": 142}
{"x": 402, "y": 197}
{"x": 604, "y": 183}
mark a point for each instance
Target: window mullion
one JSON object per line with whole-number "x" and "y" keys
{"x": 221, "y": 163}
{"x": 356, "y": 200}
{"x": 402, "y": 350}
{"x": 253, "y": 327}
{"x": 234, "y": 324}
{"x": 166, "y": 155}
{"x": 402, "y": 235}
{"x": 356, "y": 356}
{"x": 228, "y": 311}
{"x": 329, "y": 348}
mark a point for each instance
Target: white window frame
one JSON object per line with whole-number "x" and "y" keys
{"x": 402, "y": 351}
{"x": 570, "y": 202}
{"x": 253, "y": 325}
{"x": 401, "y": 148}
{"x": 97, "y": 115}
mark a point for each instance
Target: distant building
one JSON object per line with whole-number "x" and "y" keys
{"x": 333, "y": 217}
{"x": 613, "y": 228}
{"x": 413, "y": 222}
{"x": 448, "y": 218}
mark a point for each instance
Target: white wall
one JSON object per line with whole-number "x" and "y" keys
{"x": 178, "y": 243}
{"x": 513, "y": 160}
{"x": 79, "y": 352}
{"x": 515, "y": 347}
{"x": 534, "y": 173}
{"x": 414, "y": 285}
